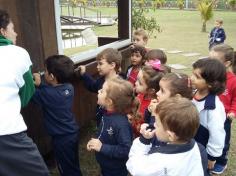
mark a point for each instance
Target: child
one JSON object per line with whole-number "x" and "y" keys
{"x": 225, "y": 54}
{"x": 181, "y": 154}
{"x": 157, "y": 54}
{"x": 209, "y": 78}
{"x": 114, "y": 137}
{"x": 108, "y": 65}
{"x": 140, "y": 37}
{"x": 217, "y": 34}
{"x": 137, "y": 60}
{"x": 171, "y": 85}
{"x": 146, "y": 86}
{"x": 56, "y": 99}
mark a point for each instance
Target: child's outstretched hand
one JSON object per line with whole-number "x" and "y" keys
{"x": 94, "y": 144}
{"x": 82, "y": 69}
{"x": 37, "y": 79}
{"x": 147, "y": 133}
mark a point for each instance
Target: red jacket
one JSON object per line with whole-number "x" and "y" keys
{"x": 144, "y": 102}
{"x": 228, "y": 98}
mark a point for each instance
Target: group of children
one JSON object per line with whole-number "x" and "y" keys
{"x": 182, "y": 124}
{"x": 173, "y": 117}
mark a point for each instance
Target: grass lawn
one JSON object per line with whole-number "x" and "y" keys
{"x": 181, "y": 30}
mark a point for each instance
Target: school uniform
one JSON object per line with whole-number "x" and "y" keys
{"x": 115, "y": 135}
{"x": 56, "y": 103}
{"x": 228, "y": 98}
{"x": 145, "y": 160}
{"x": 211, "y": 132}
{"x": 217, "y": 36}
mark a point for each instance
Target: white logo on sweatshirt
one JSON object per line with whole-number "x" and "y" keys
{"x": 110, "y": 131}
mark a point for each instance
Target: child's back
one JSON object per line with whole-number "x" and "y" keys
{"x": 56, "y": 99}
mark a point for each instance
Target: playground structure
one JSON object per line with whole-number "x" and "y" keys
{"x": 75, "y": 19}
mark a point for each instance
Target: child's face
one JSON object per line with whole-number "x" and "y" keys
{"x": 104, "y": 68}
{"x": 136, "y": 58}
{"x": 160, "y": 132}
{"x": 140, "y": 84}
{"x": 164, "y": 91}
{"x": 217, "y": 24}
{"x": 138, "y": 40}
{"x": 102, "y": 94}
{"x": 198, "y": 81}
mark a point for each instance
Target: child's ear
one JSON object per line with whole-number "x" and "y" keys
{"x": 109, "y": 103}
{"x": 171, "y": 136}
{"x": 178, "y": 95}
{"x": 113, "y": 64}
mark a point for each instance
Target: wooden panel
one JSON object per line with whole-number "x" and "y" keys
{"x": 123, "y": 19}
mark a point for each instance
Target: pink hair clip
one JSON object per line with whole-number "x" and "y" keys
{"x": 155, "y": 64}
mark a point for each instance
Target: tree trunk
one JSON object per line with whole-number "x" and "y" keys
{"x": 204, "y": 26}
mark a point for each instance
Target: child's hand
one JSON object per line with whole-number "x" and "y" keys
{"x": 147, "y": 133}
{"x": 37, "y": 79}
{"x": 211, "y": 164}
{"x": 130, "y": 118}
{"x": 82, "y": 69}
{"x": 231, "y": 115}
{"x": 152, "y": 106}
{"x": 94, "y": 144}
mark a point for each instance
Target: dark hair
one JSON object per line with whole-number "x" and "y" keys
{"x": 4, "y": 19}
{"x": 227, "y": 53}
{"x": 180, "y": 116}
{"x": 61, "y": 66}
{"x": 214, "y": 73}
{"x": 142, "y": 33}
{"x": 111, "y": 55}
{"x": 122, "y": 94}
{"x": 156, "y": 54}
{"x": 179, "y": 83}
{"x": 152, "y": 77}
{"x": 139, "y": 49}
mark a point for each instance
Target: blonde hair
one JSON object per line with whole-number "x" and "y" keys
{"x": 141, "y": 32}
{"x": 122, "y": 94}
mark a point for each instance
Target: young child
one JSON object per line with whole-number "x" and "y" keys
{"x": 137, "y": 60}
{"x": 225, "y": 54}
{"x": 176, "y": 123}
{"x": 217, "y": 34}
{"x": 157, "y": 54}
{"x": 209, "y": 78}
{"x": 171, "y": 85}
{"x": 140, "y": 37}
{"x": 56, "y": 99}
{"x": 108, "y": 65}
{"x": 114, "y": 136}
{"x": 146, "y": 87}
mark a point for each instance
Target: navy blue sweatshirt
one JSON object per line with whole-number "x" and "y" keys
{"x": 56, "y": 103}
{"x": 115, "y": 133}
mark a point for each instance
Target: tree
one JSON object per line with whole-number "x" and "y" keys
{"x": 140, "y": 21}
{"x": 206, "y": 9}
{"x": 158, "y": 3}
{"x": 180, "y": 4}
